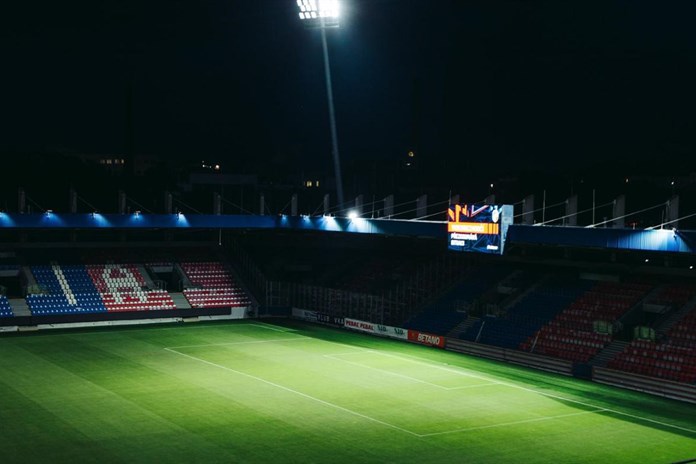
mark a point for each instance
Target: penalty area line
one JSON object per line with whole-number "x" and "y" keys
{"x": 267, "y": 326}
{"x": 402, "y": 376}
{"x": 278, "y": 340}
{"x": 596, "y": 407}
{"x": 296, "y": 392}
{"x": 506, "y": 424}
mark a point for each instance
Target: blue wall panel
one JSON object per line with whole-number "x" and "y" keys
{"x": 622, "y": 239}
{"x": 210, "y": 221}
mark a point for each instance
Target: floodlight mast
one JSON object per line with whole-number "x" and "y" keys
{"x": 323, "y": 14}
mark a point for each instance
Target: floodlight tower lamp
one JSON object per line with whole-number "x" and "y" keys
{"x": 318, "y": 10}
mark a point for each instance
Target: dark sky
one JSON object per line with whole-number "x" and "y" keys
{"x": 469, "y": 84}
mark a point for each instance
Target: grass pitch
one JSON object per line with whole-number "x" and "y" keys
{"x": 294, "y": 393}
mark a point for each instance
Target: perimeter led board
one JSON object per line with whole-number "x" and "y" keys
{"x": 478, "y": 228}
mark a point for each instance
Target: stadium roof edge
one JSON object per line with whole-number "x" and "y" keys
{"x": 667, "y": 240}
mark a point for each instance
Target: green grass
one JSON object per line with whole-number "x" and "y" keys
{"x": 254, "y": 392}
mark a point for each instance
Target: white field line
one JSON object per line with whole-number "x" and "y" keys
{"x": 299, "y": 393}
{"x": 356, "y": 351}
{"x": 177, "y": 326}
{"x": 278, "y": 340}
{"x": 476, "y": 385}
{"x": 264, "y": 325}
{"x": 394, "y": 374}
{"x": 506, "y": 424}
{"x": 108, "y": 329}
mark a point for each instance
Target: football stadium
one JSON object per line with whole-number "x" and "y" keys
{"x": 336, "y": 339}
{"x": 497, "y": 266}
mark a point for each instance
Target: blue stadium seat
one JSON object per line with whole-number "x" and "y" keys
{"x": 70, "y": 291}
{"x": 528, "y": 315}
{"x": 5, "y": 308}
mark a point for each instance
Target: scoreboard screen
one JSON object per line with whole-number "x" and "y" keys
{"x": 478, "y": 228}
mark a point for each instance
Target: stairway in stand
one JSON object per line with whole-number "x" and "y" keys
{"x": 677, "y": 316}
{"x": 463, "y": 326}
{"x": 607, "y": 354}
{"x": 180, "y": 300}
{"x": 19, "y": 307}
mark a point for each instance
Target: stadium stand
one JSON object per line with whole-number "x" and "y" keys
{"x": 95, "y": 288}
{"x": 123, "y": 288}
{"x": 674, "y": 294}
{"x": 529, "y": 314}
{"x": 214, "y": 286}
{"x": 672, "y": 358}
{"x": 571, "y": 334}
{"x": 65, "y": 290}
{"x": 127, "y": 280}
{"x": 454, "y": 306}
{"x": 378, "y": 272}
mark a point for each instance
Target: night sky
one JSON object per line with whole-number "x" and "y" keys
{"x": 489, "y": 85}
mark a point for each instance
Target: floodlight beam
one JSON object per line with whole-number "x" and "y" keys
{"x": 332, "y": 119}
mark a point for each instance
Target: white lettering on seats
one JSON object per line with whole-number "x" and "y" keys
{"x": 119, "y": 282}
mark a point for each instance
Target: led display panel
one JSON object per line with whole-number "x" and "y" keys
{"x": 478, "y": 228}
